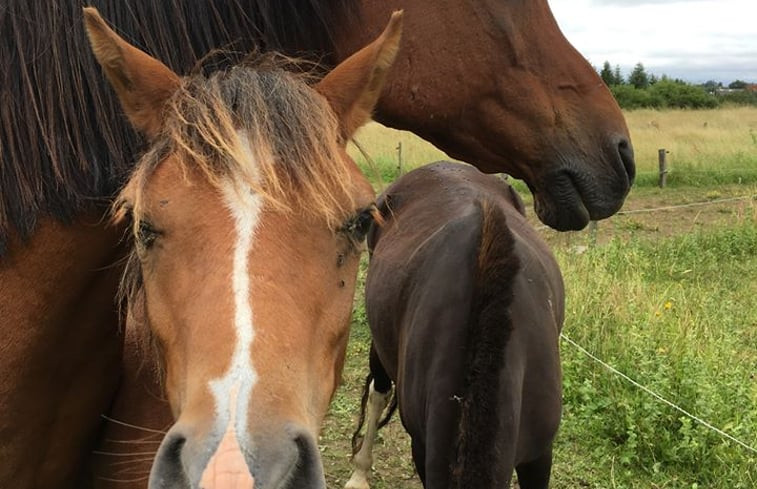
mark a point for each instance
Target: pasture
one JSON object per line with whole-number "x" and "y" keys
{"x": 664, "y": 296}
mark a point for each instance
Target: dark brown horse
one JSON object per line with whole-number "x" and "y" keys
{"x": 493, "y": 82}
{"x": 465, "y": 304}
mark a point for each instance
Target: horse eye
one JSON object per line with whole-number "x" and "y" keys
{"x": 146, "y": 234}
{"x": 357, "y": 226}
{"x": 364, "y": 221}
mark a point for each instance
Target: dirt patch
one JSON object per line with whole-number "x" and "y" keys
{"x": 659, "y": 213}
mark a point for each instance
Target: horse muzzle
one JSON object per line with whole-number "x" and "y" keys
{"x": 288, "y": 459}
{"x": 573, "y": 194}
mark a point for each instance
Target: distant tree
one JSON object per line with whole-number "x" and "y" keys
{"x": 607, "y": 75}
{"x": 638, "y": 77}
{"x": 711, "y": 86}
{"x": 737, "y": 84}
{"x": 653, "y": 79}
{"x": 740, "y": 97}
{"x": 682, "y": 95}
{"x": 618, "y": 76}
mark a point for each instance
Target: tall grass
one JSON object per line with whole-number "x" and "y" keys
{"x": 380, "y": 162}
{"x": 679, "y": 316}
{"x": 707, "y": 147}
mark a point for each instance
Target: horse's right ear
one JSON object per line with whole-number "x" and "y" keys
{"x": 143, "y": 84}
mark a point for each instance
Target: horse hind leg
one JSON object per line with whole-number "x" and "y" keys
{"x": 535, "y": 474}
{"x": 379, "y": 393}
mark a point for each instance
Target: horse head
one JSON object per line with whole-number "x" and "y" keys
{"x": 247, "y": 219}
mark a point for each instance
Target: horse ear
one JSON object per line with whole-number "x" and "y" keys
{"x": 143, "y": 84}
{"x": 354, "y": 86}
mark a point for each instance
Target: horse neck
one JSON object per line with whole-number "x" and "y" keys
{"x": 49, "y": 277}
{"x": 418, "y": 85}
{"x": 484, "y": 415}
{"x": 61, "y": 347}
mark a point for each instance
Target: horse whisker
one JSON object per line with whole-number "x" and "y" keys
{"x": 127, "y": 462}
{"x": 124, "y": 481}
{"x": 115, "y": 454}
{"x": 131, "y": 471}
{"x": 134, "y": 442}
{"x": 129, "y": 425}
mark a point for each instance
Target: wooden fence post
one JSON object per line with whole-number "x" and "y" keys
{"x": 399, "y": 158}
{"x": 661, "y": 156}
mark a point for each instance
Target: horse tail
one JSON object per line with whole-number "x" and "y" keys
{"x": 357, "y": 440}
{"x": 489, "y": 332}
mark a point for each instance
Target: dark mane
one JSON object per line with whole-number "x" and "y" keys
{"x": 489, "y": 332}
{"x": 65, "y": 147}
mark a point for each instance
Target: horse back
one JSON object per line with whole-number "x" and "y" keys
{"x": 419, "y": 291}
{"x": 443, "y": 298}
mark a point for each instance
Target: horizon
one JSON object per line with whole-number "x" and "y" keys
{"x": 659, "y": 76}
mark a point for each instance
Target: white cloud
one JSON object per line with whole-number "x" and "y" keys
{"x": 637, "y": 3}
{"x": 695, "y": 40}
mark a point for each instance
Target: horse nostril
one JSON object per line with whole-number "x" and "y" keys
{"x": 625, "y": 150}
{"x": 168, "y": 467}
{"x": 307, "y": 471}
{"x": 172, "y": 448}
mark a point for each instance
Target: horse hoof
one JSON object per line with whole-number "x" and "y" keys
{"x": 357, "y": 481}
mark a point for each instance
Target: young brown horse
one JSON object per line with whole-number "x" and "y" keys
{"x": 247, "y": 216}
{"x": 465, "y": 304}
{"x": 507, "y": 91}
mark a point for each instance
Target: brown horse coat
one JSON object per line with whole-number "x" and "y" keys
{"x": 492, "y": 82}
{"x": 465, "y": 304}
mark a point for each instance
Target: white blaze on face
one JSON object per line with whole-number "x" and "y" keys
{"x": 227, "y": 468}
{"x": 235, "y": 387}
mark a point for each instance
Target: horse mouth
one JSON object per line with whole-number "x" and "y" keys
{"x": 567, "y": 200}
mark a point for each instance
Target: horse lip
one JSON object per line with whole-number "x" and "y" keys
{"x": 566, "y": 200}
{"x": 563, "y": 212}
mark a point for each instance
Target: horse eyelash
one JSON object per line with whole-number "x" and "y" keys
{"x": 147, "y": 234}
{"x": 357, "y": 226}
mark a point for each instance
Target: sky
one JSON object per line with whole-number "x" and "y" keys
{"x": 695, "y": 40}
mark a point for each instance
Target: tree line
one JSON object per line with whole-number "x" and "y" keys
{"x": 645, "y": 90}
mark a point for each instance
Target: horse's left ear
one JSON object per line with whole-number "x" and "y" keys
{"x": 354, "y": 86}
{"x": 143, "y": 84}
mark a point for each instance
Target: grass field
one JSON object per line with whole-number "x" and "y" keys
{"x": 667, "y": 297}
{"x": 706, "y": 146}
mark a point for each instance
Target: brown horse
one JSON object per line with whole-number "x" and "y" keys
{"x": 247, "y": 218}
{"x": 465, "y": 303}
{"x": 493, "y": 82}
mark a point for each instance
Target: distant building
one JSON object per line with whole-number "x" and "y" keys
{"x": 726, "y": 91}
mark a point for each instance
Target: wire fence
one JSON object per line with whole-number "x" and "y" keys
{"x": 725, "y": 171}
{"x": 664, "y": 170}
{"x": 684, "y": 206}
{"x": 675, "y": 207}
{"x": 657, "y": 396}
{"x": 638, "y": 384}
